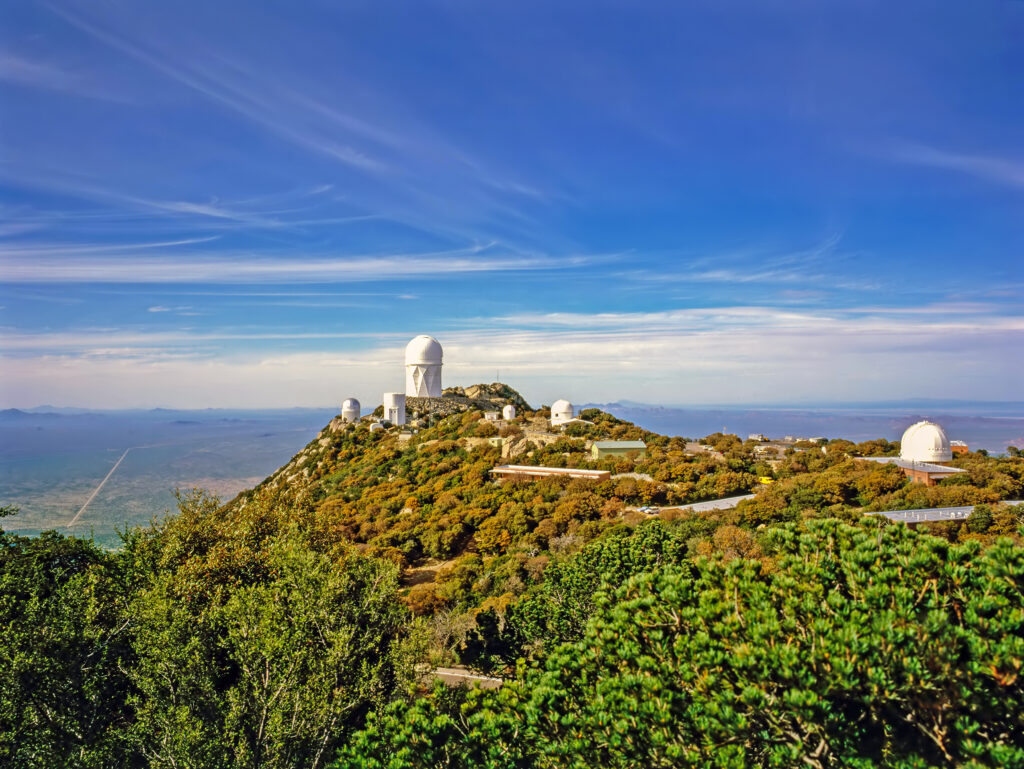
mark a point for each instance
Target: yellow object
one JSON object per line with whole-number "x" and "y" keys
{"x": 766, "y": 480}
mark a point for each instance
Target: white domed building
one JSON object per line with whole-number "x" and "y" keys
{"x": 423, "y": 359}
{"x": 562, "y": 412}
{"x": 350, "y": 410}
{"x": 924, "y": 453}
{"x": 925, "y": 442}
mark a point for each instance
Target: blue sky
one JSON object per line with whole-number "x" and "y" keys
{"x": 257, "y": 204}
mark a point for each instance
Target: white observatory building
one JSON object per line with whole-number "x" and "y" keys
{"x": 925, "y": 442}
{"x": 350, "y": 410}
{"x": 394, "y": 408}
{"x": 561, "y": 412}
{"x": 509, "y": 412}
{"x": 423, "y": 357}
{"x": 924, "y": 453}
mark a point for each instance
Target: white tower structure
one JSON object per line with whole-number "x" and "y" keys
{"x": 394, "y": 408}
{"x": 925, "y": 442}
{"x": 350, "y": 410}
{"x": 562, "y": 412}
{"x": 423, "y": 367}
{"x": 509, "y": 412}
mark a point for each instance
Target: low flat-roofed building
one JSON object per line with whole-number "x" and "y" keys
{"x": 602, "y": 449}
{"x": 927, "y": 473}
{"x": 531, "y": 471}
{"x": 958, "y": 447}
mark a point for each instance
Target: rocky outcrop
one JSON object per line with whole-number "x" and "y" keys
{"x": 495, "y": 394}
{"x": 455, "y": 400}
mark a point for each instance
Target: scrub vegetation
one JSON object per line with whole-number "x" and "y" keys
{"x": 296, "y": 625}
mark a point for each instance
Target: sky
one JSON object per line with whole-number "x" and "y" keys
{"x": 258, "y": 204}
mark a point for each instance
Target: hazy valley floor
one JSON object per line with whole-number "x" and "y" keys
{"x": 52, "y": 466}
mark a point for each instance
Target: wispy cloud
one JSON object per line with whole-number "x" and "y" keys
{"x": 757, "y": 264}
{"x": 31, "y": 73}
{"x": 57, "y": 265}
{"x": 406, "y": 169}
{"x": 937, "y": 318}
{"x": 234, "y": 93}
{"x": 124, "y": 212}
{"x": 34, "y": 250}
{"x": 84, "y": 190}
{"x": 993, "y": 168}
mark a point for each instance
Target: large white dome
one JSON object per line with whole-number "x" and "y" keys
{"x": 925, "y": 442}
{"x": 423, "y": 350}
{"x": 350, "y": 403}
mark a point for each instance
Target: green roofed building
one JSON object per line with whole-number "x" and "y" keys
{"x": 602, "y": 449}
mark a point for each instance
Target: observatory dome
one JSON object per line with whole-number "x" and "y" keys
{"x": 350, "y": 410}
{"x": 423, "y": 350}
{"x": 561, "y": 411}
{"x": 925, "y": 442}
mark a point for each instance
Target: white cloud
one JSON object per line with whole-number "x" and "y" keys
{"x": 58, "y": 264}
{"x": 716, "y": 355}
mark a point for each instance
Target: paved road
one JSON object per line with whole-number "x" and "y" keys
{"x": 920, "y": 515}
{"x": 96, "y": 491}
{"x": 925, "y": 514}
{"x": 715, "y": 504}
{"x": 726, "y": 503}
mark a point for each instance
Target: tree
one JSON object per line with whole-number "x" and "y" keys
{"x": 863, "y": 646}
{"x": 868, "y": 646}
{"x": 63, "y": 654}
{"x": 270, "y": 674}
{"x": 980, "y": 519}
{"x": 558, "y": 609}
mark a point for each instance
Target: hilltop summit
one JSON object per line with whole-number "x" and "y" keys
{"x": 456, "y": 400}
{"x": 494, "y": 394}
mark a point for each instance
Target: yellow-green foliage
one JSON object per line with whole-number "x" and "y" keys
{"x": 866, "y": 646}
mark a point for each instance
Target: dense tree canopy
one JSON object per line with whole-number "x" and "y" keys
{"x": 63, "y": 654}
{"x": 860, "y": 646}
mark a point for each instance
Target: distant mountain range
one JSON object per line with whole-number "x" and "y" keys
{"x": 930, "y": 405}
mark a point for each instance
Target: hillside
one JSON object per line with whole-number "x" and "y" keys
{"x": 422, "y": 496}
{"x": 298, "y": 625}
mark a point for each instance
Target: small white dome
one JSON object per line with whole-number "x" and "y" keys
{"x": 562, "y": 411}
{"x": 925, "y": 442}
{"x": 509, "y": 412}
{"x": 423, "y": 350}
{"x": 350, "y": 410}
